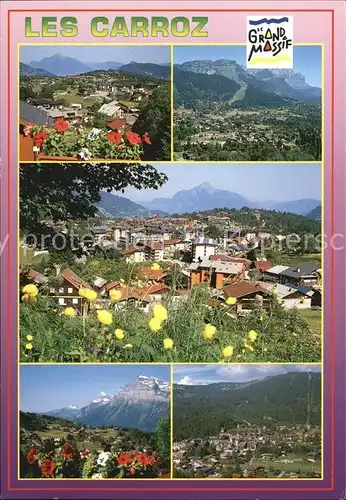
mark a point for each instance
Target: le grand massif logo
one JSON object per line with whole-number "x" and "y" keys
{"x": 269, "y": 42}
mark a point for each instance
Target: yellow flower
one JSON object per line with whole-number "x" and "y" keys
{"x": 275, "y": 292}
{"x": 228, "y": 351}
{"x": 261, "y": 318}
{"x": 122, "y": 283}
{"x": 209, "y": 332}
{"x": 30, "y": 290}
{"x": 115, "y": 295}
{"x": 29, "y": 337}
{"x": 252, "y": 335}
{"x": 155, "y": 324}
{"x": 119, "y": 333}
{"x": 155, "y": 267}
{"x": 81, "y": 292}
{"x": 278, "y": 300}
{"x": 294, "y": 334}
{"x": 243, "y": 351}
{"x": 28, "y": 346}
{"x": 249, "y": 347}
{"x": 168, "y": 344}
{"x": 69, "y": 312}
{"x": 160, "y": 312}
{"x": 128, "y": 346}
{"x": 231, "y": 301}
{"x": 90, "y": 294}
{"x": 104, "y": 317}
{"x": 30, "y": 299}
{"x": 122, "y": 280}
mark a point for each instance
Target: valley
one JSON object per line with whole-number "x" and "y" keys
{"x": 268, "y": 427}
{"x": 223, "y": 112}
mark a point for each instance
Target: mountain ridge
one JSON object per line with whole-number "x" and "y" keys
{"x": 139, "y": 404}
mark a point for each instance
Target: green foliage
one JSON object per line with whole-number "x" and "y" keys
{"x": 163, "y": 439}
{"x": 155, "y": 118}
{"x": 69, "y": 192}
{"x": 204, "y": 410}
{"x": 61, "y": 339}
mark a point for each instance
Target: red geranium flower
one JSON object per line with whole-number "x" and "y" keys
{"x": 32, "y": 455}
{"x": 124, "y": 459}
{"x": 133, "y": 138}
{"x": 47, "y": 468}
{"x": 114, "y": 137}
{"x": 61, "y": 125}
{"x": 84, "y": 453}
{"x": 144, "y": 459}
{"x": 67, "y": 451}
{"x": 146, "y": 138}
{"x": 39, "y": 138}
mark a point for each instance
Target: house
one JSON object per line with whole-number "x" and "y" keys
{"x": 172, "y": 246}
{"x": 248, "y": 295}
{"x": 262, "y": 265}
{"x": 134, "y": 254}
{"x": 151, "y": 275}
{"x": 154, "y": 251}
{"x": 228, "y": 258}
{"x": 292, "y": 296}
{"x": 31, "y": 115}
{"x": 217, "y": 274}
{"x": 274, "y": 273}
{"x": 304, "y": 273}
{"x": 203, "y": 247}
{"x": 67, "y": 294}
{"x": 116, "y": 125}
{"x": 32, "y": 276}
{"x": 153, "y": 292}
{"x": 113, "y": 109}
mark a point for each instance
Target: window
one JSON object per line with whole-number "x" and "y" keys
{"x": 70, "y": 290}
{"x": 52, "y": 290}
{"x": 61, "y": 302}
{"x": 61, "y": 290}
{"x": 74, "y": 301}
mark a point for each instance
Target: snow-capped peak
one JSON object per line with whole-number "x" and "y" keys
{"x": 103, "y": 398}
{"x": 73, "y": 407}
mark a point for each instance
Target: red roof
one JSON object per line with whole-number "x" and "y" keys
{"x": 132, "y": 249}
{"x": 262, "y": 265}
{"x": 116, "y": 124}
{"x": 111, "y": 285}
{"x": 150, "y": 274}
{"x": 152, "y": 289}
{"x": 75, "y": 280}
{"x": 242, "y": 288}
{"x": 155, "y": 245}
{"x": 171, "y": 242}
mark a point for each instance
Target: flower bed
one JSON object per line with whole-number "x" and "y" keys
{"x": 66, "y": 461}
{"x": 63, "y": 141}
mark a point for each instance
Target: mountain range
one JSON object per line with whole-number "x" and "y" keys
{"x": 59, "y": 65}
{"x": 112, "y": 205}
{"x": 139, "y": 404}
{"x": 205, "y": 197}
{"x": 226, "y": 80}
{"x": 291, "y": 398}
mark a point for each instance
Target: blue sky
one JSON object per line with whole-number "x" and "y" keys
{"x": 307, "y": 60}
{"x": 98, "y": 53}
{"x": 207, "y": 374}
{"x": 49, "y": 387}
{"x": 257, "y": 182}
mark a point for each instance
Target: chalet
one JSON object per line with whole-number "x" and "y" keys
{"x": 153, "y": 293}
{"x": 229, "y": 258}
{"x": 262, "y": 265}
{"x": 154, "y": 251}
{"x": 67, "y": 293}
{"x": 32, "y": 276}
{"x": 292, "y": 296}
{"x": 274, "y": 273}
{"x": 248, "y": 295}
{"x": 203, "y": 248}
{"x": 171, "y": 246}
{"x": 134, "y": 254}
{"x": 151, "y": 274}
{"x": 117, "y": 125}
{"x": 216, "y": 273}
{"x": 304, "y": 273}
{"x": 31, "y": 115}
{"x": 114, "y": 110}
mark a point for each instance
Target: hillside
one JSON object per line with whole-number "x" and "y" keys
{"x": 60, "y": 65}
{"x": 27, "y": 70}
{"x": 315, "y": 213}
{"x": 147, "y": 69}
{"x": 203, "y": 410}
{"x": 285, "y": 83}
{"x": 115, "y": 206}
